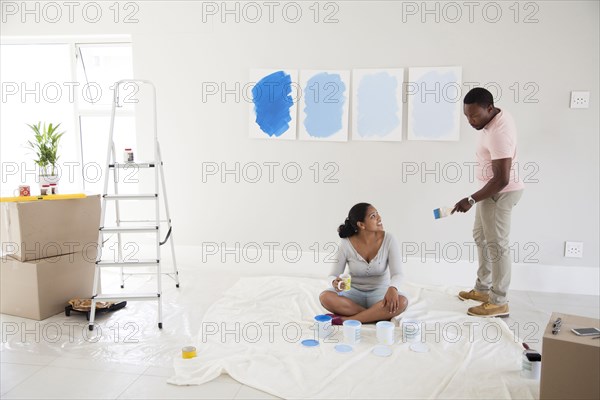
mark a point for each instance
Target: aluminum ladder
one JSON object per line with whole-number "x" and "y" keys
{"x": 112, "y": 165}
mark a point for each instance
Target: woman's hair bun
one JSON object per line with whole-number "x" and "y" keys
{"x": 346, "y": 229}
{"x": 357, "y": 213}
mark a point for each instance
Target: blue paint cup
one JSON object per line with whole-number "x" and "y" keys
{"x": 323, "y": 326}
{"x": 351, "y": 331}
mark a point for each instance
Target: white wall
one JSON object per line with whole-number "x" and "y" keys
{"x": 181, "y": 54}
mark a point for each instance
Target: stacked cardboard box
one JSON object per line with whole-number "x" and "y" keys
{"x": 48, "y": 255}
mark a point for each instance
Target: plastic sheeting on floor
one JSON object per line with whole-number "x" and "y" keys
{"x": 254, "y": 333}
{"x": 129, "y": 335}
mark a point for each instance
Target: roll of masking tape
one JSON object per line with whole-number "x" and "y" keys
{"x": 188, "y": 352}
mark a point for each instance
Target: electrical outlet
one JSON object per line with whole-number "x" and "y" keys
{"x": 580, "y": 99}
{"x": 574, "y": 249}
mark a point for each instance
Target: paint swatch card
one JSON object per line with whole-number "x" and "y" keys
{"x": 273, "y": 107}
{"x": 377, "y": 104}
{"x": 434, "y": 103}
{"x": 323, "y": 114}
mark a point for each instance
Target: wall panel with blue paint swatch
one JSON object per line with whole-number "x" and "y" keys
{"x": 434, "y": 103}
{"x": 273, "y": 108}
{"x": 377, "y": 104}
{"x": 324, "y": 105}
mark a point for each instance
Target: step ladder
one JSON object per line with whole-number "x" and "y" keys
{"x": 152, "y": 225}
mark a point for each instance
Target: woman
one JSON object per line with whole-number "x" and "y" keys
{"x": 374, "y": 263}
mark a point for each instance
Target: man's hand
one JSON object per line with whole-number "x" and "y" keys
{"x": 462, "y": 206}
{"x": 501, "y": 178}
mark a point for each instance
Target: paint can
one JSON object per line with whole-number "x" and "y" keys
{"x": 531, "y": 364}
{"x": 128, "y": 155}
{"x": 351, "y": 329}
{"x": 188, "y": 352}
{"x": 323, "y": 326}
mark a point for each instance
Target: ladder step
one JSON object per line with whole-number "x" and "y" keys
{"x": 140, "y": 263}
{"x": 144, "y": 220}
{"x": 130, "y": 229}
{"x": 136, "y": 296}
{"x": 150, "y": 164}
{"x": 146, "y": 273}
{"x": 131, "y": 196}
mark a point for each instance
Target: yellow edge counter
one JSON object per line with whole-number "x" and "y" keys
{"x": 48, "y": 197}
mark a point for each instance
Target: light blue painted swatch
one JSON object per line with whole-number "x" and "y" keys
{"x": 325, "y": 99}
{"x": 272, "y": 102}
{"x": 377, "y": 105}
{"x": 435, "y": 117}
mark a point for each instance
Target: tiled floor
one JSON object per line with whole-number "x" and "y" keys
{"x": 67, "y": 372}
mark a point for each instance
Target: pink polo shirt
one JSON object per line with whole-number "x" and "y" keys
{"x": 498, "y": 140}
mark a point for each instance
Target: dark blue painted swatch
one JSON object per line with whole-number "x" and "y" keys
{"x": 272, "y": 102}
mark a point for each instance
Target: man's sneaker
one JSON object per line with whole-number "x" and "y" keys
{"x": 474, "y": 295}
{"x": 489, "y": 310}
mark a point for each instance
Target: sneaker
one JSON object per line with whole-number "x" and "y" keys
{"x": 474, "y": 295}
{"x": 489, "y": 310}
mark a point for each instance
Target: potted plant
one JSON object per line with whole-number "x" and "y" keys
{"x": 45, "y": 147}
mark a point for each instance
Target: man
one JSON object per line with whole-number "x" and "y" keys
{"x": 496, "y": 153}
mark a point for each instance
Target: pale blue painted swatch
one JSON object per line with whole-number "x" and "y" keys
{"x": 272, "y": 102}
{"x": 434, "y": 118}
{"x": 377, "y": 105}
{"x": 325, "y": 99}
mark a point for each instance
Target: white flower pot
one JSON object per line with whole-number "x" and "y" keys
{"x": 48, "y": 179}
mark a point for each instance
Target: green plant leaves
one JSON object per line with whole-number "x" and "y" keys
{"x": 46, "y": 144}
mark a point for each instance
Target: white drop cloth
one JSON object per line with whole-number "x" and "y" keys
{"x": 253, "y": 333}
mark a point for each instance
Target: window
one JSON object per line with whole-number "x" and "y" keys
{"x": 69, "y": 83}
{"x": 33, "y": 90}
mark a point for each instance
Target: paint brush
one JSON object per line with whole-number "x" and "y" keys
{"x": 442, "y": 212}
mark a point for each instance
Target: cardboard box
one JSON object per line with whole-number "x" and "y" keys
{"x": 570, "y": 363}
{"x": 33, "y": 230}
{"x": 41, "y": 288}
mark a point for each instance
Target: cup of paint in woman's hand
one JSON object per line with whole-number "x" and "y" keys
{"x": 346, "y": 279}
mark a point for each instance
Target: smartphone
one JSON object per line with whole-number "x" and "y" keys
{"x": 586, "y": 331}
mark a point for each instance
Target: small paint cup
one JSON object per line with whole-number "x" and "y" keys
{"x": 351, "y": 329}
{"x": 323, "y": 326}
{"x": 188, "y": 352}
{"x": 530, "y": 369}
{"x": 385, "y": 332}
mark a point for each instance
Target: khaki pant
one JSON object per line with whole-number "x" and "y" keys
{"x": 491, "y": 231}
